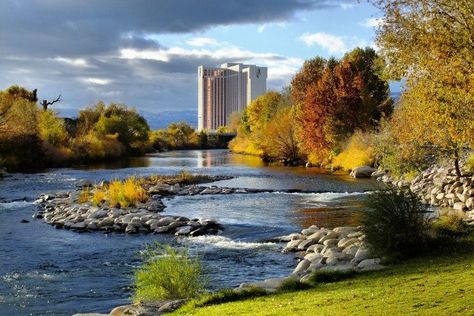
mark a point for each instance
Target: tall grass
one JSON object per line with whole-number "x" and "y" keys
{"x": 118, "y": 193}
{"x": 395, "y": 223}
{"x": 167, "y": 273}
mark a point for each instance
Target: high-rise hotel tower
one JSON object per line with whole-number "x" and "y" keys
{"x": 227, "y": 89}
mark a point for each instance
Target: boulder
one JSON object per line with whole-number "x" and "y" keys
{"x": 362, "y": 172}
{"x": 370, "y": 265}
{"x": 304, "y": 244}
{"x": 185, "y": 230}
{"x": 302, "y": 266}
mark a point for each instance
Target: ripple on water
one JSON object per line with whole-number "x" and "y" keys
{"x": 226, "y": 243}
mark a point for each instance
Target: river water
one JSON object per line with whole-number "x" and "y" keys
{"x": 48, "y": 271}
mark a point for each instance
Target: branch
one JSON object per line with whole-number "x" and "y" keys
{"x": 54, "y": 101}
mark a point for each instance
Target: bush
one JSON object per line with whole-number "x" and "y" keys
{"x": 293, "y": 284}
{"x": 395, "y": 223}
{"x": 358, "y": 152}
{"x": 470, "y": 163}
{"x": 449, "y": 226}
{"x": 167, "y": 273}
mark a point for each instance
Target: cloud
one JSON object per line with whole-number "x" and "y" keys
{"x": 332, "y": 43}
{"x": 202, "y": 41}
{"x": 98, "y": 81}
{"x": 372, "y": 22}
{"x": 90, "y": 50}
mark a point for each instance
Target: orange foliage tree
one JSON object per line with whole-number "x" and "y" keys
{"x": 347, "y": 97}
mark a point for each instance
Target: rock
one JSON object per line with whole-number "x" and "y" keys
{"x": 315, "y": 248}
{"x": 313, "y": 257}
{"x": 470, "y": 203}
{"x": 362, "y": 172}
{"x": 318, "y": 235}
{"x": 78, "y": 226}
{"x": 185, "y": 230}
{"x": 310, "y": 230}
{"x": 370, "y": 265}
{"x": 24, "y": 221}
{"x": 346, "y": 267}
{"x": 459, "y": 206}
{"x": 198, "y": 232}
{"x": 108, "y": 221}
{"x": 330, "y": 242}
{"x": 165, "y": 221}
{"x": 131, "y": 229}
{"x": 292, "y": 245}
{"x": 331, "y": 235}
{"x": 361, "y": 254}
{"x": 351, "y": 250}
{"x": 161, "y": 229}
{"x": 348, "y": 242}
{"x": 304, "y": 244}
{"x": 302, "y": 266}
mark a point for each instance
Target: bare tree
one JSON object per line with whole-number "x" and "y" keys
{"x": 46, "y": 103}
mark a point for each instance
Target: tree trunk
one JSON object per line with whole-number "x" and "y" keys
{"x": 456, "y": 165}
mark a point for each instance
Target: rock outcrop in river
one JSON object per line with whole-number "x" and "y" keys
{"x": 338, "y": 249}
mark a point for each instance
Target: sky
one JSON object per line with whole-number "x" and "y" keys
{"x": 145, "y": 53}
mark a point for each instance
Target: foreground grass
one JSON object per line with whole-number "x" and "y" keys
{"x": 439, "y": 284}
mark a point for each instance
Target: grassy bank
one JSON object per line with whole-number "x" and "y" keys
{"x": 438, "y": 284}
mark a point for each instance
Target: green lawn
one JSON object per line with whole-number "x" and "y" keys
{"x": 433, "y": 285}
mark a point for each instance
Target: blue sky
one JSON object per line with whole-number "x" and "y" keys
{"x": 145, "y": 53}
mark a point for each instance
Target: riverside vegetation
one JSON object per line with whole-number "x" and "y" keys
{"x": 32, "y": 136}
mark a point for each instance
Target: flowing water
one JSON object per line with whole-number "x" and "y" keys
{"x": 48, "y": 271}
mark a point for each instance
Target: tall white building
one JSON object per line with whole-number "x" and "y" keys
{"x": 225, "y": 90}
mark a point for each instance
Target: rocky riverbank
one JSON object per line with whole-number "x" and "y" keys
{"x": 324, "y": 249}
{"x": 440, "y": 186}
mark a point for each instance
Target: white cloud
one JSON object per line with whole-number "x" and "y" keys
{"x": 202, "y": 41}
{"x": 372, "y": 22}
{"x": 332, "y": 43}
{"x": 280, "y": 68}
{"x": 76, "y": 62}
{"x": 261, "y": 28}
{"x": 96, "y": 81}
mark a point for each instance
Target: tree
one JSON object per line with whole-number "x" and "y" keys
{"x": 349, "y": 96}
{"x": 310, "y": 73}
{"x": 430, "y": 44}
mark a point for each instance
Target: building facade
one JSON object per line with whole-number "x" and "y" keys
{"x": 225, "y": 90}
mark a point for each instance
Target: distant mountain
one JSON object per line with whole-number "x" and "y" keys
{"x": 163, "y": 119}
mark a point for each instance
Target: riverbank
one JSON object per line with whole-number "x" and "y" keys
{"x": 438, "y": 283}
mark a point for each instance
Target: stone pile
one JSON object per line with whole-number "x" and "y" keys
{"x": 440, "y": 186}
{"x": 338, "y": 249}
{"x": 61, "y": 211}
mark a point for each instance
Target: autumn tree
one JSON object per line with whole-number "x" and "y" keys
{"x": 430, "y": 43}
{"x": 310, "y": 72}
{"x": 348, "y": 97}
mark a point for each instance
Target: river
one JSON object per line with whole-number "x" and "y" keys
{"x": 48, "y": 271}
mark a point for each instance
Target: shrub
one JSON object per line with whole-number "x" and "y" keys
{"x": 395, "y": 223}
{"x": 98, "y": 197}
{"x": 293, "y": 284}
{"x": 448, "y": 226}
{"x": 167, "y": 273}
{"x": 125, "y": 193}
{"x": 84, "y": 195}
{"x": 470, "y": 163}
{"x": 358, "y": 152}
